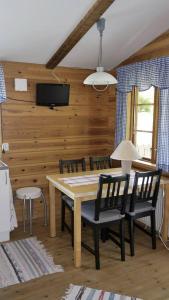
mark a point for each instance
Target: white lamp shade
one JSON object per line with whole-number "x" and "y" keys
{"x": 100, "y": 78}
{"x": 125, "y": 151}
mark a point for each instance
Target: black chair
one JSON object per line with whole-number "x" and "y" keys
{"x": 72, "y": 165}
{"x": 102, "y": 162}
{"x": 69, "y": 166}
{"x": 143, "y": 203}
{"x": 108, "y": 208}
{"x": 98, "y": 163}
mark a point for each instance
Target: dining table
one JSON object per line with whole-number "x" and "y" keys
{"x": 83, "y": 186}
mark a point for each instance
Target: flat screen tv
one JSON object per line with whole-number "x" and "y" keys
{"x": 49, "y": 94}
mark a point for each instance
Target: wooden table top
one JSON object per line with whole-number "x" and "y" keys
{"x": 84, "y": 192}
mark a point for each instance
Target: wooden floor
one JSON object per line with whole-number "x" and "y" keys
{"x": 146, "y": 275}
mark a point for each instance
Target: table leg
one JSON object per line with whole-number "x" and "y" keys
{"x": 166, "y": 213}
{"x": 52, "y": 210}
{"x": 77, "y": 233}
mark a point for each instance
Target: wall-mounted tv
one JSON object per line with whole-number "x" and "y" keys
{"x": 49, "y": 94}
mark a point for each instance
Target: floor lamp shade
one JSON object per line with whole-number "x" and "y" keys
{"x": 126, "y": 152}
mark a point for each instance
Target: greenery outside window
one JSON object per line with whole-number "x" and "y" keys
{"x": 142, "y": 116}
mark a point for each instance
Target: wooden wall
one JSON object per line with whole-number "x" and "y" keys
{"x": 38, "y": 136}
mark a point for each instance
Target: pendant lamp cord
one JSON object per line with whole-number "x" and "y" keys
{"x": 100, "y": 50}
{"x": 100, "y": 28}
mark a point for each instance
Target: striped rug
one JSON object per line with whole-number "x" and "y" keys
{"x": 24, "y": 260}
{"x": 76, "y": 292}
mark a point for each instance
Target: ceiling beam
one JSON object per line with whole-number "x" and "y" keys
{"x": 94, "y": 13}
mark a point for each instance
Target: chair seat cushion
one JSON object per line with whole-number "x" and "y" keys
{"x": 106, "y": 216}
{"x": 140, "y": 207}
{"x": 28, "y": 192}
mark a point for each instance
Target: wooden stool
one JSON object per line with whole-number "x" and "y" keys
{"x": 27, "y": 194}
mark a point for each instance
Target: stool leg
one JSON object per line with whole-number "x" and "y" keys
{"x": 32, "y": 208}
{"x": 30, "y": 216}
{"x": 24, "y": 206}
{"x": 45, "y": 208}
{"x": 27, "y": 211}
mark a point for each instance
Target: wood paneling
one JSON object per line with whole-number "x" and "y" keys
{"x": 158, "y": 47}
{"x": 38, "y": 136}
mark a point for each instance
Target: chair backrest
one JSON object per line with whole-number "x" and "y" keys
{"x": 72, "y": 165}
{"x": 100, "y": 162}
{"x": 145, "y": 188}
{"x": 112, "y": 194}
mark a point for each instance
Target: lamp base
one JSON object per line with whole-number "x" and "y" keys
{"x": 126, "y": 166}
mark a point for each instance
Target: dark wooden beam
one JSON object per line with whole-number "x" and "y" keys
{"x": 85, "y": 24}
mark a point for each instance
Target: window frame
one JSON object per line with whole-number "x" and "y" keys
{"x": 132, "y": 104}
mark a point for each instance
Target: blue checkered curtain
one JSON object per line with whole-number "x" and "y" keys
{"x": 2, "y": 86}
{"x": 121, "y": 117}
{"x": 154, "y": 72}
{"x": 163, "y": 131}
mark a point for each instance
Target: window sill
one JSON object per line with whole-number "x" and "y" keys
{"x": 144, "y": 165}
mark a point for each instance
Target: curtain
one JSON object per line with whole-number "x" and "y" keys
{"x": 163, "y": 131}
{"x": 154, "y": 72}
{"x": 121, "y": 117}
{"x": 2, "y": 86}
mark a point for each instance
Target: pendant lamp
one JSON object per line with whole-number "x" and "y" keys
{"x": 100, "y": 77}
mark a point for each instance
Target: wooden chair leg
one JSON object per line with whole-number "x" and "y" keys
{"x": 131, "y": 235}
{"x": 62, "y": 215}
{"x": 96, "y": 248}
{"x": 122, "y": 239}
{"x": 153, "y": 229}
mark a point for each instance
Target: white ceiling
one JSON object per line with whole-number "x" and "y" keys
{"x": 32, "y": 30}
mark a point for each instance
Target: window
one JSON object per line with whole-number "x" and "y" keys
{"x": 142, "y": 121}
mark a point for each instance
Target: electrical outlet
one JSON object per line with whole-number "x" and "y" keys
{"x": 5, "y": 147}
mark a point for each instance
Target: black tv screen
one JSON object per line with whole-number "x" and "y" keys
{"x": 49, "y": 94}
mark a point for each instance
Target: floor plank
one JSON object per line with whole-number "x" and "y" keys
{"x": 146, "y": 275}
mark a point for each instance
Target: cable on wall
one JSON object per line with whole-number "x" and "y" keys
{"x": 18, "y": 100}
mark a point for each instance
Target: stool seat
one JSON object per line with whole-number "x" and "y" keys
{"x": 28, "y": 192}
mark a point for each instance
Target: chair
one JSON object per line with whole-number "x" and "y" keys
{"x": 69, "y": 166}
{"x": 102, "y": 162}
{"x": 73, "y": 165}
{"x": 28, "y": 194}
{"x": 108, "y": 208}
{"x": 98, "y": 163}
{"x": 143, "y": 203}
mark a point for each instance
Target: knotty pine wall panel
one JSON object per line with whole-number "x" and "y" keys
{"x": 38, "y": 136}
